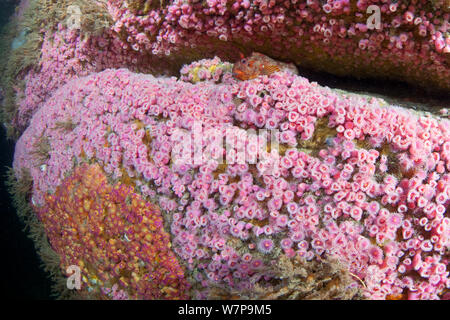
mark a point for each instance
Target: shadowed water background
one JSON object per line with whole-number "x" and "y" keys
{"x": 21, "y": 276}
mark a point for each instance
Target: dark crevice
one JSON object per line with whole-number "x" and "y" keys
{"x": 393, "y": 91}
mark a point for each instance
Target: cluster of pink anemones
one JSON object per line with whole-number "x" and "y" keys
{"x": 410, "y": 43}
{"x": 323, "y": 193}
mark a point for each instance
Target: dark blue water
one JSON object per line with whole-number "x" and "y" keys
{"x": 20, "y": 274}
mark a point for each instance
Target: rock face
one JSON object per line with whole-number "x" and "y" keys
{"x": 269, "y": 188}
{"x": 410, "y": 43}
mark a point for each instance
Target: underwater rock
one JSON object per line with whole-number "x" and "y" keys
{"x": 367, "y": 39}
{"x": 20, "y": 40}
{"x": 274, "y": 187}
{"x": 410, "y": 43}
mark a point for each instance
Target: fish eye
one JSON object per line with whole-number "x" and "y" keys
{"x": 244, "y": 61}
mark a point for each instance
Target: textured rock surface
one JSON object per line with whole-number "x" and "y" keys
{"x": 412, "y": 44}
{"x": 149, "y": 174}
